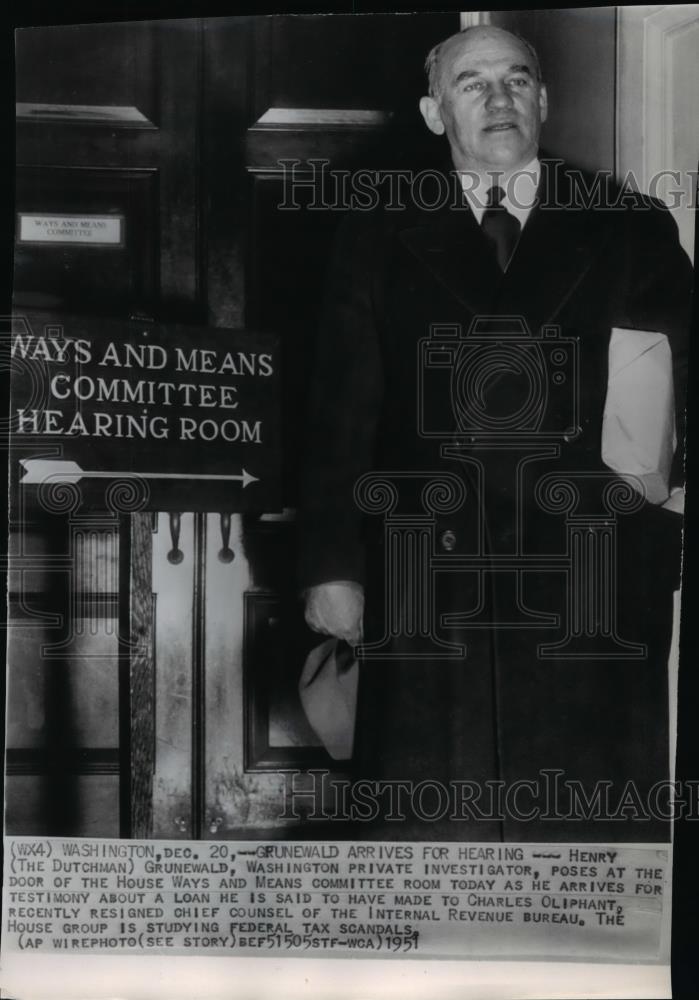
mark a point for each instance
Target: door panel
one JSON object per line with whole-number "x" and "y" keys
{"x": 95, "y": 65}
{"x": 107, "y": 123}
{"x": 84, "y": 278}
{"x": 659, "y": 134}
{"x": 173, "y": 591}
{"x": 236, "y": 797}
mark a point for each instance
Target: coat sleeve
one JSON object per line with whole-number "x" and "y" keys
{"x": 343, "y": 412}
{"x": 660, "y": 298}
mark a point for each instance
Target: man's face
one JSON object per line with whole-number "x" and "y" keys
{"x": 490, "y": 103}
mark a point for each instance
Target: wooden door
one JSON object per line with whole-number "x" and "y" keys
{"x": 344, "y": 91}
{"x": 107, "y": 224}
{"x": 153, "y": 694}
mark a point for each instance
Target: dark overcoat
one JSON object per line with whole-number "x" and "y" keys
{"x": 519, "y": 615}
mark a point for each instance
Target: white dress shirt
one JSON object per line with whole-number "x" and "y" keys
{"x": 520, "y": 190}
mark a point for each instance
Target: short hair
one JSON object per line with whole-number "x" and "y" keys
{"x": 432, "y": 60}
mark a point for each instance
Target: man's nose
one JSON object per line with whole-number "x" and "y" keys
{"x": 499, "y": 96}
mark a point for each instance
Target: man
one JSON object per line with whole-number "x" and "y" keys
{"x": 493, "y": 688}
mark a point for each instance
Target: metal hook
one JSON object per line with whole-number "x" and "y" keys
{"x": 226, "y": 553}
{"x": 175, "y": 555}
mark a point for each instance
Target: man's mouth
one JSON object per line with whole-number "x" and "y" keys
{"x": 499, "y": 127}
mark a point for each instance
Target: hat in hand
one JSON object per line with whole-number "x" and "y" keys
{"x": 328, "y": 692}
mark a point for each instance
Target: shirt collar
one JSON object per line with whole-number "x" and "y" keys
{"x": 520, "y": 190}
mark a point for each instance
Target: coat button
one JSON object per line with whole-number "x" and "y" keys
{"x": 448, "y": 540}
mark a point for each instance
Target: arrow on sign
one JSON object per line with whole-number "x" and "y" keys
{"x": 42, "y": 470}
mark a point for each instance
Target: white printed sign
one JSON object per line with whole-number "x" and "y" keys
{"x": 93, "y": 230}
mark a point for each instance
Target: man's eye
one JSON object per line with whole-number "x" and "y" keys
{"x": 475, "y": 85}
{"x": 518, "y": 81}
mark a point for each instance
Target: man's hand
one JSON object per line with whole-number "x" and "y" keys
{"x": 336, "y": 609}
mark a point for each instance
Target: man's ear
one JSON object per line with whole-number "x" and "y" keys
{"x": 543, "y": 103}
{"x": 429, "y": 109}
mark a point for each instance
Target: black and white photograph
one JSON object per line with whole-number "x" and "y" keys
{"x": 347, "y": 442}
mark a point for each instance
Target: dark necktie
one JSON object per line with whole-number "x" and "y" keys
{"x": 501, "y": 228}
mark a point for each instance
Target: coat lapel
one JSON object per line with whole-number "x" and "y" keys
{"x": 449, "y": 242}
{"x": 554, "y": 252}
{"x": 557, "y": 246}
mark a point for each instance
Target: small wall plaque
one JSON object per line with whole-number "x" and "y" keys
{"x": 78, "y": 230}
